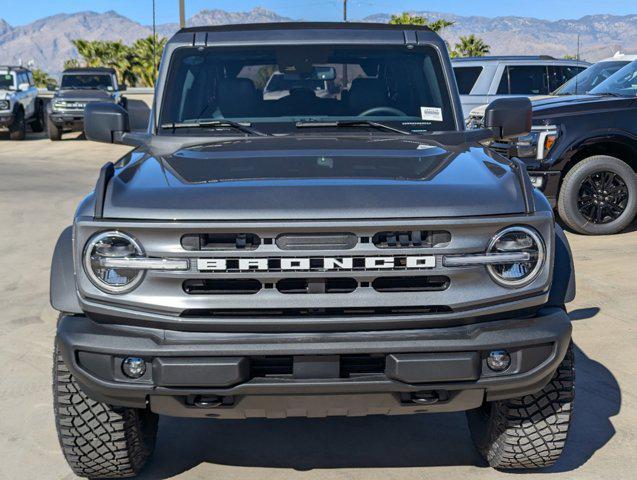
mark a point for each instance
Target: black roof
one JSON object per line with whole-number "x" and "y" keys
{"x": 302, "y": 25}
{"x": 89, "y": 70}
{"x": 508, "y": 57}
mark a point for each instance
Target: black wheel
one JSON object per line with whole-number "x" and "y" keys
{"x": 19, "y": 128}
{"x": 530, "y": 431}
{"x": 37, "y": 125}
{"x": 124, "y": 103}
{"x": 598, "y": 196}
{"x": 55, "y": 132}
{"x": 99, "y": 440}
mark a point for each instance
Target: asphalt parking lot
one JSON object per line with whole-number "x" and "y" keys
{"x": 41, "y": 183}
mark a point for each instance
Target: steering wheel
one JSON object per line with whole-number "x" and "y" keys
{"x": 390, "y": 110}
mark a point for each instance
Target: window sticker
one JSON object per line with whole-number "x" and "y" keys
{"x": 431, "y": 113}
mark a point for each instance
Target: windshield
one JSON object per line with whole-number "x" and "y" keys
{"x": 279, "y": 87}
{"x": 589, "y": 78}
{"x": 622, "y": 83}
{"x": 6, "y": 81}
{"x": 86, "y": 81}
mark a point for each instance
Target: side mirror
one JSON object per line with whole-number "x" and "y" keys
{"x": 105, "y": 122}
{"x": 509, "y": 117}
{"x": 51, "y": 87}
{"x": 23, "y": 87}
{"x": 122, "y": 87}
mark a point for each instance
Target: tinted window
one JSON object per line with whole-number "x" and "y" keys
{"x": 6, "y": 81}
{"x": 622, "y": 83}
{"x": 524, "y": 80}
{"x": 560, "y": 74}
{"x": 287, "y": 84}
{"x": 87, "y": 81}
{"x": 466, "y": 78}
{"x": 31, "y": 80}
{"x": 22, "y": 78}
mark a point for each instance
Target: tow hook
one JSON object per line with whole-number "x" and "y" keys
{"x": 425, "y": 398}
{"x": 207, "y": 402}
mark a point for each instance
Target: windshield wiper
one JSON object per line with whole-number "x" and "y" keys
{"x": 608, "y": 94}
{"x": 214, "y": 124}
{"x": 351, "y": 123}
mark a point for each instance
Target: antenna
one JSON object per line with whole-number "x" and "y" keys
{"x": 345, "y": 10}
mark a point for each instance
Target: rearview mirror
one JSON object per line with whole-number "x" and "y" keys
{"x": 105, "y": 122}
{"x": 509, "y": 117}
{"x": 51, "y": 87}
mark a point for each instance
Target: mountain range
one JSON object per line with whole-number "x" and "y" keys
{"x": 47, "y": 42}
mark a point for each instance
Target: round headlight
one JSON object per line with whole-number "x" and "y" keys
{"x": 512, "y": 240}
{"x": 107, "y": 245}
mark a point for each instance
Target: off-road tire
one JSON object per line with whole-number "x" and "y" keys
{"x": 527, "y": 432}
{"x": 37, "y": 125}
{"x": 19, "y": 128}
{"x": 99, "y": 440}
{"x": 569, "y": 193}
{"x": 54, "y": 132}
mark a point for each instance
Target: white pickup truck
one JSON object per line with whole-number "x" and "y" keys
{"x": 19, "y": 102}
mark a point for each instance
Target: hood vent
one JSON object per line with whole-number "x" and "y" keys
{"x": 220, "y": 241}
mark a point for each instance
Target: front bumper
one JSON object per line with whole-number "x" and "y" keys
{"x": 71, "y": 120}
{"x": 6, "y": 120}
{"x": 239, "y": 375}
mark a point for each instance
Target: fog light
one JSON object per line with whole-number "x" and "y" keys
{"x": 499, "y": 360}
{"x": 134, "y": 367}
{"x": 537, "y": 181}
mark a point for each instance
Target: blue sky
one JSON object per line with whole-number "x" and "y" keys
{"x": 167, "y": 10}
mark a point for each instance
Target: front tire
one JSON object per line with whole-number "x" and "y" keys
{"x": 99, "y": 440}
{"x": 19, "y": 128}
{"x": 54, "y": 132}
{"x": 530, "y": 431}
{"x": 598, "y": 196}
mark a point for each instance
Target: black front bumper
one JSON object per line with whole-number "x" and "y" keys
{"x": 68, "y": 120}
{"x": 236, "y": 375}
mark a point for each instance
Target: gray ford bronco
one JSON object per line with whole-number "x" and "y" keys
{"x": 340, "y": 248}
{"x": 78, "y": 88}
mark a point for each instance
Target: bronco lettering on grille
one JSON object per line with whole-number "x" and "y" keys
{"x": 318, "y": 264}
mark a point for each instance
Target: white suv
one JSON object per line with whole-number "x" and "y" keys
{"x": 19, "y": 102}
{"x": 483, "y": 79}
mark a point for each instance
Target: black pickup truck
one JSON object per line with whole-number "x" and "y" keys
{"x": 582, "y": 153}
{"x": 336, "y": 244}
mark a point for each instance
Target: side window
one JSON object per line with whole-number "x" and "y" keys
{"x": 466, "y": 78}
{"x": 524, "y": 80}
{"x": 559, "y": 75}
{"x": 528, "y": 80}
{"x": 31, "y": 79}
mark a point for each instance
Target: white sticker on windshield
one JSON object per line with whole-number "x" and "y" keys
{"x": 431, "y": 113}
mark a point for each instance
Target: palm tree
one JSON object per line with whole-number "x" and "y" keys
{"x": 407, "y": 18}
{"x": 146, "y": 58}
{"x": 42, "y": 79}
{"x": 470, "y": 46}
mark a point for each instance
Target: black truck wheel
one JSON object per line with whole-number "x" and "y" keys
{"x": 99, "y": 440}
{"x": 37, "y": 124}
{"x": 19, "y": 128}
{"x": 55, "y": 132}
{"x": 598, "y": 196}
{"x": 530, "y": 431}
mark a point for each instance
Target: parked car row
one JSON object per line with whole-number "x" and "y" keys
{"x": 20, "y": 105}
{"x": 582, "y": 150}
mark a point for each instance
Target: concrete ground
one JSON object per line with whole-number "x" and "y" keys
{"x": 40, "y": 184}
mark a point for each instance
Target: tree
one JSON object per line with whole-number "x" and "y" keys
{"x": 470, "y": 46}
{"x": 146, "y": 58}
{"x": 570, "y": 57}
{"x": 407, "y": 18}
{"x": 71, "y": 63}
{"x": 42, "y": 79}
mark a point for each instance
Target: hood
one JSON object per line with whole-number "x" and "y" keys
{"x": 575, "y": 104}
{"x": 293, "y": 178}
{"x": 86, "y": 95}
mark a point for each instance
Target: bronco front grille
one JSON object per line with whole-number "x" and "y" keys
{"x": 314, "y": 312}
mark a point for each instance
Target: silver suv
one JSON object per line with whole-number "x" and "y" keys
{"x": 483, "y": 79}
{"x": 19, "y": 103}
